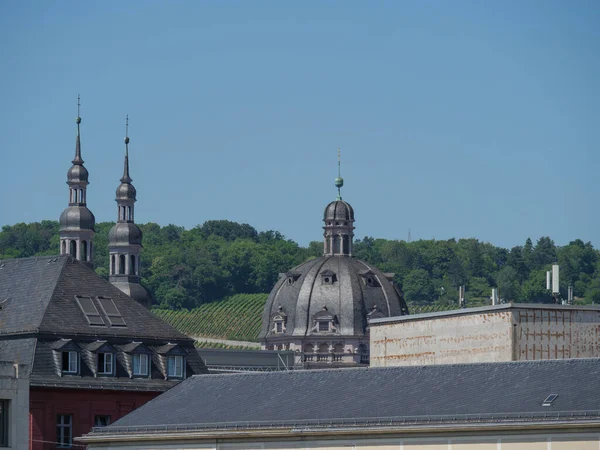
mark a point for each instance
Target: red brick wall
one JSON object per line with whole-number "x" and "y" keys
{"x": 84, "y": 405}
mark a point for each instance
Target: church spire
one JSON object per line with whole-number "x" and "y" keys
{"x": 126, "y": 178}
{"x": 77, "y": 221}
{"x": 125, "y": 239}
{"x": 77, "y": 160}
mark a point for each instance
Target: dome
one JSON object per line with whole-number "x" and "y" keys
{"x": 342, "y": 288}
{"x": 126, "y": 191}
{"x": 136, "y": 291}
{"x": 338, "y": 210}
{"x": 76, "y": 218}
{"x": 77, "y": 174}
{"x": 124, "y": 233}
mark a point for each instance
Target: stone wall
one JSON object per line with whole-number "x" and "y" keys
{"x": 488, "y": 334}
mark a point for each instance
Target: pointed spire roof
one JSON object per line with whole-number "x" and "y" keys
{"x": 126, "y": 178}
{"x": 126, "y": 192}
{"x": 77, "y": 160}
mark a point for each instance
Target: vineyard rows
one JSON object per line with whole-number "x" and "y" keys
{"x": 238, "y": 317}
{"x": 235, "y": 318}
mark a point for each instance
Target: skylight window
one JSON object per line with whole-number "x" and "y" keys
{"x": 89, "y": 310}
{"x": 111, "y": 311}
{"x": 549, "y": 400}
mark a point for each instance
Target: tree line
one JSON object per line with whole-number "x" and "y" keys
{"x": 187, "y": 268}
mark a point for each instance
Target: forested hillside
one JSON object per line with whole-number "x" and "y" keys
{"x": 188, "y": 268}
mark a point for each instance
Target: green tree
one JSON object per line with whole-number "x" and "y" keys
{"x": 417, "y": 287}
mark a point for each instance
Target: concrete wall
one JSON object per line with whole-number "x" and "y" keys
{"x": 551, "y": 441}
{"x": 482, "y": 337}
{"x": 557, "y": 333}
{"x": 14, "y": 387}
{"x": 488, "y": 334}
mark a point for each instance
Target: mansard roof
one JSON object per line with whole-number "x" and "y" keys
{"x": 412, "y": 396}
{"x": 42, "y": 294}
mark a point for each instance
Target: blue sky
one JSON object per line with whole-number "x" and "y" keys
{"x": 455, "y": 119}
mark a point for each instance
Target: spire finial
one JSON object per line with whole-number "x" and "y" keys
{"x": 78, "y": 159}
{"x": 339, "y": 181}
{"x": 126, "y": 178}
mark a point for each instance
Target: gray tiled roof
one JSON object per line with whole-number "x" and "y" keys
{"x": 446, "y": 393}
{"x": 42, "y": 315}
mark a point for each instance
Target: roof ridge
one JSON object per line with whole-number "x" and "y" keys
{"x": 394, "y": 368}
{"x": 35, "y": 257}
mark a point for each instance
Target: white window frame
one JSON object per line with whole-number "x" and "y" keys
{"x": 73, "y": 361}
{"x": 109, "y": 363}
{"x": 175, "y": 365}
{"x": 143, "y": 362}
{"x": 64, "y": 430}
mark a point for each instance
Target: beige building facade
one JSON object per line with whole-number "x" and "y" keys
{"x": 523, "y": 440}
{"x": 510, "y": 332}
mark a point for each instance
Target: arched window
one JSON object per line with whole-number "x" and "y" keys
{"x": 64, "y": 248}
{"x": 122, "y": 262}
{"x": 112, "y": 264}
{"x": 132, "y": 264}
{"x": 84, "y": 250}
{"x": 73, "y": 249}
{"x": 336, "y": 244}
{"x": 346, "y": 245}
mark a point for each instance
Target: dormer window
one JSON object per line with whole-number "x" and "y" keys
{"x": 141, "y": 364}
{"x": 328, "y": 277}
{"x": 175, "y": 366}
{"x": 70, "y": 362}
{"x": 279, "y": 319}
{"x": 292, "y": 277}
{"x": 324, "y": 322}
{"x": 369, "y": 279}
{"x": 105, "y": 363}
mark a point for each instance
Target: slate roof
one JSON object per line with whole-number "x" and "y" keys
{"x": 41, "y": 316}
{"x": 490, "y": 392}
{"x": 41, "y": 293}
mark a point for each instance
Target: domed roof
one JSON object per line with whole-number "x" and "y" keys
{"x": 77, "y": 174}
{"x": 126, "y": 191}
{"x": 136, "y": 291}
{"x": 348, "y": 289}
{"x": 125, "y": 233}
{"x": 339, "y": 210}
{"x": 76, "y": 218}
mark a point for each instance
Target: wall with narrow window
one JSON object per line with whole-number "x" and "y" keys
{"x": 14, "y": 406}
